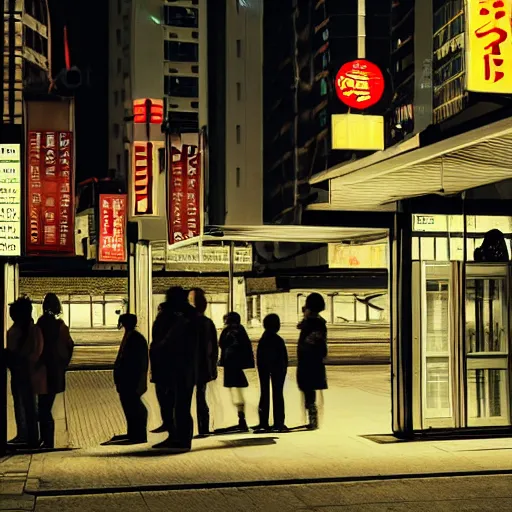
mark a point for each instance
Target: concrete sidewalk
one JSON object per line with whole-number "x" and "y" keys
{"x": 442, "y": 494}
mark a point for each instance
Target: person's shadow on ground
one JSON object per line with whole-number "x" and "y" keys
{"x": 236, "y": 443}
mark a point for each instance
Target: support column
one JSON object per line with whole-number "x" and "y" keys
{"x": 140, "y": 285}
{"x": 401, "y": 323}
{"x": 11, "y": 288}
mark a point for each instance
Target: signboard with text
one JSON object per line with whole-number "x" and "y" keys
{"x": 489, "y": 46}
{"x": 112, "y": 239}
{"x": 184, "y": 194}
{"x": 359, "y": 84}
{"x": 50, "y": 193}
{"x": 143, "y": 179}
{"x": 10, "y": 200}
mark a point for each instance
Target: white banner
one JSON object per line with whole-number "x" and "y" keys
{"x": 10, "y": 200}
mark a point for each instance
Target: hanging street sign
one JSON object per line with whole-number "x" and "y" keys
{"x": 359, "y": 84}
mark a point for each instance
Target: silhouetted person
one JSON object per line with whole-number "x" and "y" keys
{"x": 167, "y": 315}
{"x": 57, "y": 353}
{"x": 493, "y": 249}
{"x": 311, "y": 352}
{"x": 130, "y": 378}
{"x": 179, "y": 359}
{"x": 28, "y": 373}
{"x": 272, "y": 362}
{"x": 207, "y": 357}
{"x": 236, "y": 356}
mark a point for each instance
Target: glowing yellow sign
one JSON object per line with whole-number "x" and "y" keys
{"x": 489, "y": 40}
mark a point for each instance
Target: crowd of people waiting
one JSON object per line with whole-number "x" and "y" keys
{"x": 183, "y": 356}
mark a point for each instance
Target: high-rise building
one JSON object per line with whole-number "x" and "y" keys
{"x": 306, "y": 42}
{"x": 26, "y": 64}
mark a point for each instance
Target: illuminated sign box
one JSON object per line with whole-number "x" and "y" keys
{"x": 489, "y": 46}
{"x": 112, "y": 235}
{"x": 357, "y": 132}
{"x": 143, "y": 160}
{"x": 10, "y": 200}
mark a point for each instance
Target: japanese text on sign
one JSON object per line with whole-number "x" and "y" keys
{"x": 10, "y": 200}
{"x": 142, "y": 178}
{"x": 489, "y": 46}
{"x": 50, "y": 202}
{"x": 359, "y": 84}
{"x": 184, "y": 194}
{"x": 112, "y": 240}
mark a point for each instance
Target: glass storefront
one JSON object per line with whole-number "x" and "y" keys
{"x": 461, "y": 329}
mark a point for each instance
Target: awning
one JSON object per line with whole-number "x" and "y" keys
{"x": 293, "y": 234}
{"x": 473, "y": 159}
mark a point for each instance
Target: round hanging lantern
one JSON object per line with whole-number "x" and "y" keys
{"x": 359, "y": 84}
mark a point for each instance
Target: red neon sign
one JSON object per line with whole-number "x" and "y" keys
{"x": 112, "y": 235}
{"x": 148, "y": 111}
{"x": 359, "y": 84}
{"x": 184, "y": 210}
{"x": 143, "y": 178}
{"x": 50, "y": 193}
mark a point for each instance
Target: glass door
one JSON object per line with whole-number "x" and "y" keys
{"x": 487, "y": 345}
{"x": 435, "y": 334}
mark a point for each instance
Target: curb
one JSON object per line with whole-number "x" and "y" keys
{"x": 260, "y": 483}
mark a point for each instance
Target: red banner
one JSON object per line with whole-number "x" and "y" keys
{"x": 184, "y": 194}
{"x": 50, "y": 193}
{"x": 142, "y": 178}
{"x": 112, "y": 239}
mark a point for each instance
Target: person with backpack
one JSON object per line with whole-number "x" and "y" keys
{"x": 56, "y": 356}
{"x": 236, "y": 356}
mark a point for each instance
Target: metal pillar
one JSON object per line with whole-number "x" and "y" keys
{"x": 401, "y": 324}
{"x": 140, "y": 285}
{"x": 231, "y": 292}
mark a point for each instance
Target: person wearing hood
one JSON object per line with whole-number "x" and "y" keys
{"x": 236, "y": 356}
{"x": 311, "y": 353}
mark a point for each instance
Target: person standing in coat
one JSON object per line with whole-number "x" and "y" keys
{"x": 311, "y": 352}
{"x": 57, "y": 353}
{"x": 131, "y": 380}
{"x": 207, "y": 357}
{"x": 28, "y": 372}
{"x": 272, "y": 362}
{"x": 179, "y": 349}
{"x": 236, "y": 356}
{"x": 167, "y": 316}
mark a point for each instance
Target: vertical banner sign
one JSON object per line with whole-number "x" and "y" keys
{"x": 184, "y": 194}
{"x": 112, "y": 243}
{"x": 142, "y": 178}
{"x": 50, "y": 203}
{"x": 489, "y": 40}
{"x": 10, "y": 200}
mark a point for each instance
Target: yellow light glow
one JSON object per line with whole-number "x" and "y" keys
{"x": 489, "y": 41}
{"x": 358, "y": 132}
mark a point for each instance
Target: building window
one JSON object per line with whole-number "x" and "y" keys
{"x": 238, "y": 91}
{"x": 119, "y": 6}
{"x": 116, "y": 98}
{"x": 123, "y": 95}
{"x": 238, "y": 48}
{"x": 238, "y": 6}
{"x": 238, "y": 177}
{"x": 238, "y": 134}
{"x": 181, "y": 52}
{"x": 118, "y": 37}
{"x": 119, "y": 65}
{"x": 117, "y": 130}
{"x": 181, "y": 86}
{"x": 181, "y": 17}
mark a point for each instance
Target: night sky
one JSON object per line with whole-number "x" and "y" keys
{"x": 87, "y": 24}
